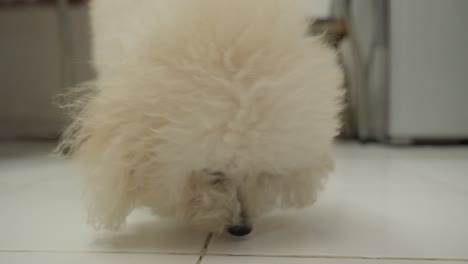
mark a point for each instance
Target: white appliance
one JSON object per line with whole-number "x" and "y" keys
{"x": 407, "y": 68}
{"x": 428, "y": 94}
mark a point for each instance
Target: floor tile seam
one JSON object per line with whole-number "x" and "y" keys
{"x": 99, "y": 252}
{"x": 205, "y": 247}
{"x": 343, "y": 257}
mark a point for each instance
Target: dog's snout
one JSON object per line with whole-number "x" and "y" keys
{"x": 240, "y": 230}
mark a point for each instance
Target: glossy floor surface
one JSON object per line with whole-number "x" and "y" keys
{"x": 382, "y": 205}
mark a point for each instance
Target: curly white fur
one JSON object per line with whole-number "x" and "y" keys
{"x": 213, "y": 111}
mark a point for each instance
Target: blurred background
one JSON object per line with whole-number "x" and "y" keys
{"x": 44, "y": 49}
{"x": 405, "y": 62}
{"x": 399, "y": 193}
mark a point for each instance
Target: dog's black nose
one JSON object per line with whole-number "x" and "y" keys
{"x": 240, "y": 230}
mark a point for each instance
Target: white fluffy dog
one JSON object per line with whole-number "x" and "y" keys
{"x": 212, "y": 111}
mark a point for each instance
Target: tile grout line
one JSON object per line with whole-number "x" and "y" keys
{"x": 336, "y": 257}
{"x": 204, "y": 250}
{"x": 96, "y": 252}
{"x": 203, "y": 253}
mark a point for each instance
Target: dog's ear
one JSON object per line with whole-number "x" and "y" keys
{"x": 110, "y": 188}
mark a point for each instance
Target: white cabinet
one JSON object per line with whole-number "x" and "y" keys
{"x": 428, "y": 95}
{"x": 407, "y": 68}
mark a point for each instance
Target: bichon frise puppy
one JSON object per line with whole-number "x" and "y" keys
{"x": 211, "y": 111}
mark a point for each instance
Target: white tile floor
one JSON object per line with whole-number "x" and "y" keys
{"x": 382, "y": 205}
